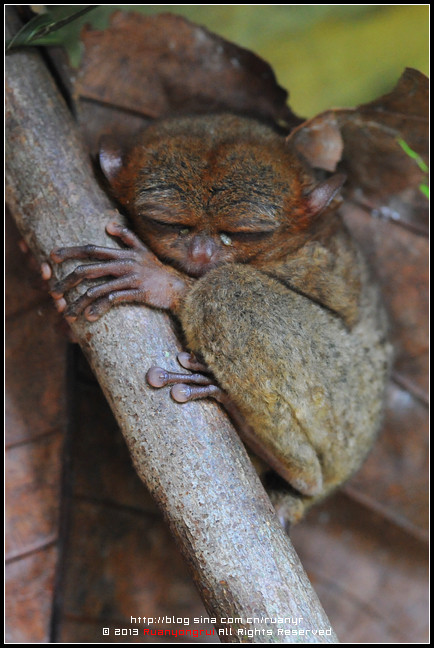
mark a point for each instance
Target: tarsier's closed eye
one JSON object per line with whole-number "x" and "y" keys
{"x": 167, "y": 226}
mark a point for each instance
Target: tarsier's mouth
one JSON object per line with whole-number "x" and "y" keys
{"x": 193, "y": 269}
{"x": 199, "y": 270}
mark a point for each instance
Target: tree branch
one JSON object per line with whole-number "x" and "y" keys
{"x": 189, "y": 456}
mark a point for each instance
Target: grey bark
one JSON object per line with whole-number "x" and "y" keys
{"x": 189, "y": 456}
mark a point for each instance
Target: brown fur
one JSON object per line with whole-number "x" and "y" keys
{"x": 276, "y": 298}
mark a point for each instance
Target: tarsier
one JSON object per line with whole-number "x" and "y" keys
{"x": 236, "y": 237}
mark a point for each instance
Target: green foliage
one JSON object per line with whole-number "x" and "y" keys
{"x": 41, "y": 30}
{"x": 424, "y": 189}
{"x": 420, "y": 163}
{"x": 414, "y": 156}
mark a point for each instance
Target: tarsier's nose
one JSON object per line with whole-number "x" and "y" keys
{"x": 202, "y": 249}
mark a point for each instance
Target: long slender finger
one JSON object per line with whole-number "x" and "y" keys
{"x": 92, "y": 271}
{"x": 189, "y": 361}
{"x": 101, "y": 306}
{"x": 107, "y": 290}
{"x": 88, "y": 252}
{"x": 158, "y": 377}
{"x": 182, "y": 393}
{"x": 126, "y": 235}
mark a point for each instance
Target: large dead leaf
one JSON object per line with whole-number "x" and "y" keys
{"x": 367, "y": 143}
{"x": 165, "y": 64}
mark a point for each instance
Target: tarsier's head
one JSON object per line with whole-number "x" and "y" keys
{"x": 214, "y": 189}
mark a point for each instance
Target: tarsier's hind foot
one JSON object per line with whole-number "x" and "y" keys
{"x": 186, "y": 387}
{"x": 193, "y": 386}
{"x": 290, "y": 505}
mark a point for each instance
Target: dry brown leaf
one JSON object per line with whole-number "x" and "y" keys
{"x": 165, "y": 64}
{"x": 365, "y": 144}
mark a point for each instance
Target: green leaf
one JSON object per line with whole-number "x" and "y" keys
{"x": 39, "y": 30}
{"x": 424, "y": 189}
{"x": 414, "y": 156}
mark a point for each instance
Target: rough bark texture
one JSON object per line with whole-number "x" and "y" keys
{"x": 189, "y": 457}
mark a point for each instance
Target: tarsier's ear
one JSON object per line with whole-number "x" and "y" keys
{"x": 110, "y": 157}
{"x": 322, "y": 195}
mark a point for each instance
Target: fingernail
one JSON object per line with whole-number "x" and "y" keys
{"x": 45, "y": 271}
{"x": 60, "y": 304}
{"x": 91, "y": 315}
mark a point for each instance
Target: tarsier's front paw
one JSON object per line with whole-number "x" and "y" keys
{"x": 186, "y": 387}
{"x": 132, "y": 274}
